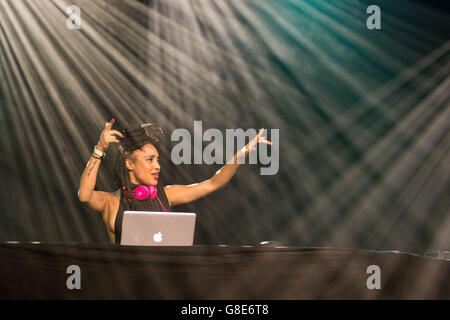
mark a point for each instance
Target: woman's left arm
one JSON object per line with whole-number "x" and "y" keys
{"x": 180, "y": 194}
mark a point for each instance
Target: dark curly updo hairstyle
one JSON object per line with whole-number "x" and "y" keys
{"x": 135, "y": 138}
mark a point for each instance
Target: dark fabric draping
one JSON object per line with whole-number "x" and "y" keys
{"x": 108, "y": 271}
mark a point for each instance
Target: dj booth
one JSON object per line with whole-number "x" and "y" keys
{"x": 107, "y": 271}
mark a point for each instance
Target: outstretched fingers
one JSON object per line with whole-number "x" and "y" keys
{"x": 112, "y": 135}
{"x": 264, "y": 140}
{"x": 260, "y": 139}
{"x": 117, "y": 133}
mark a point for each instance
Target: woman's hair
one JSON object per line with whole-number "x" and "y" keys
{"x": 135, "y": 138}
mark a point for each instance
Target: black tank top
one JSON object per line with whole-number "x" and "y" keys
{"x": 153, "y": 205}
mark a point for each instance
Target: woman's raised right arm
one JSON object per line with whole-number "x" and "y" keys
{"x": 96, "y": 200}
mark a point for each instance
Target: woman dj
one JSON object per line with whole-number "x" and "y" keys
{"x": 136, "y": 173}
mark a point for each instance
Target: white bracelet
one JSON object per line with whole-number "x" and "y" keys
{"x": 99, "y": 153}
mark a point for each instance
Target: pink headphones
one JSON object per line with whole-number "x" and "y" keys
{"x": 142, "y": 192}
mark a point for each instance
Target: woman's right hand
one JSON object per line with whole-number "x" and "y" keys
{"x": 108, "y": 135}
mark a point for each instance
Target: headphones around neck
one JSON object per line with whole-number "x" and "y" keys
{"x": 142, "y": 192}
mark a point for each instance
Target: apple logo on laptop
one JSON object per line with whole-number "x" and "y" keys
{"x": 157, "y": 237}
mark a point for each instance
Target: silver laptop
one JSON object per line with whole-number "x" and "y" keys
{"x": 148, "y": 228}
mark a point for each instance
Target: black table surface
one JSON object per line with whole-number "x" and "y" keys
{"x": 108, "y": 271}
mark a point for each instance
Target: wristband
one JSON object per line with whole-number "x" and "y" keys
{"x": 99, "y": 153}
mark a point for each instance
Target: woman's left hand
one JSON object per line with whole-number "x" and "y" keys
{"x": 251, "y": 146}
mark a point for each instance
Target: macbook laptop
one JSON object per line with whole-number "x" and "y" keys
{"x": 148, "y": 228}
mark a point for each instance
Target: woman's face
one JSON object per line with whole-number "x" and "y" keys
{"x": 144, "y": 165}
